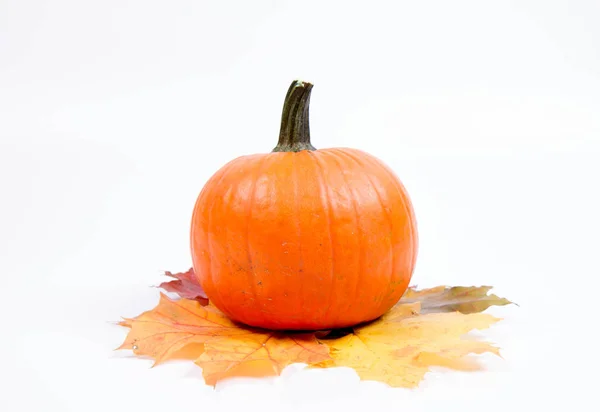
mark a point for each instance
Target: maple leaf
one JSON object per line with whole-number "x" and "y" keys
{"x": 450, "y": 299}
{"x": 426, "y": 328}
{"x": 258, "y": 354}
{"x": 399, "y": 348}
{"x": 163, "y": 332}
{"x": 186, "y": 329}
{"x": 185, "y": 285}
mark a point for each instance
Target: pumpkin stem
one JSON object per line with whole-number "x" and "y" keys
{"x": 294, "y": 134}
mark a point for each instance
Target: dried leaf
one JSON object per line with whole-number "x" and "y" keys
{"x": 400, "y": 347}
{"x": 426, "y": 328}
{"x": 185, "y": 285}
{"x": 450, "y": 299}
{"x": 258, "y": 354}
{"x": 184, "y": 328}
{"x": 163, "y": 331}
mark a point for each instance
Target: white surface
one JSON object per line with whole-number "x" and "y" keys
{"x": 113, "y": 114}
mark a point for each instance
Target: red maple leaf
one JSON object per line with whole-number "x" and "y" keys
{"x": 186, "y": 286}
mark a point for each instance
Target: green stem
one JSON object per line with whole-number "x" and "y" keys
{"x": 294, "y": 134}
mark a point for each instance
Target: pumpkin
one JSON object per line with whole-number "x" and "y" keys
{"x": 300, "y": 238}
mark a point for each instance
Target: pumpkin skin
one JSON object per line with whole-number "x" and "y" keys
{"x": 304, "y": 239}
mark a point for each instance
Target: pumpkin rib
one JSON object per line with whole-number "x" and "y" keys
{"x": 325, "y": 191}
{"x": 210, "y": 275}
{"x": 197, "y": 215}
{"x": 413, "y": 229}
{"x": 358, "y": 233}
{"x": 383, "y": 209}
{"x": 296, "y": 182}
{"x": 227, "y": 202}
{"x": 251, "y": 273}
{"x": 413, "y": 226}
{"x": 407, "y": 210}
{"x": 405, "y": 207}
{"x": 412, "y": 219}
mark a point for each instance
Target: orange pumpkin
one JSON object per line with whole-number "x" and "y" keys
{"x": 300, "y": 238}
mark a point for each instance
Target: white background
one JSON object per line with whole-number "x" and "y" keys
{"x": 114, "y": 113}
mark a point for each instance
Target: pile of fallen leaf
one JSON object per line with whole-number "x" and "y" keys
{"x": 426, "y": 328}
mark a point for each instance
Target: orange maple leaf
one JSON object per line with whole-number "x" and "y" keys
{"x": 258, "y": 354}
{"x": 162, "y": 332}
{"x": 185, "y": 329}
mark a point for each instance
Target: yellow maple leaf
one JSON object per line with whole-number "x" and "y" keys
{"x": 456, "y": 298}
{"x": 400, "y": 347}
